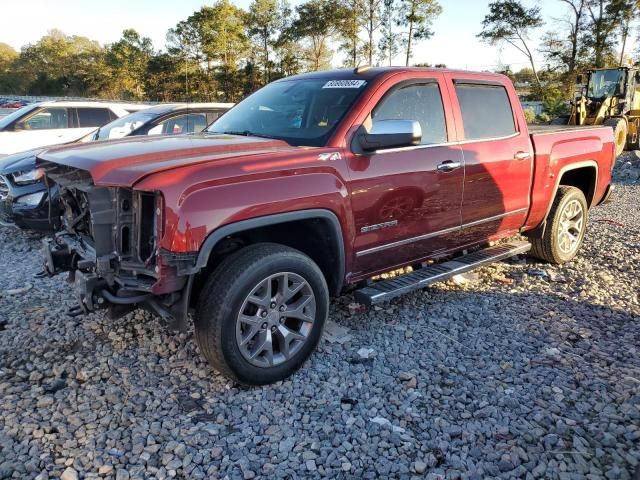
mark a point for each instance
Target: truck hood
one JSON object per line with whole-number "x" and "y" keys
{"x": 122, "y": 163}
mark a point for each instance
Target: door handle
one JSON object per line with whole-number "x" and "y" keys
{"x": 522, "y": 156}
{"x": 448, "y": 166}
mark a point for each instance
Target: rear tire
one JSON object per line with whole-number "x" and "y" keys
{"x": 249, "y": 324}
{"x": 620, "y": 131}
{"x": 565, "y": 229}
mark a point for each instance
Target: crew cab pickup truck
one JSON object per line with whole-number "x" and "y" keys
{"x": 315, "y": 184}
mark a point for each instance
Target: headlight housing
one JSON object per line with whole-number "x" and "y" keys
{"x": 28, "y": 177}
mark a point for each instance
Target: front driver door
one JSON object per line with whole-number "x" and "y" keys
{"x": 406, "y": 201}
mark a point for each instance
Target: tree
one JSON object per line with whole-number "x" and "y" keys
{"x": 626, "y": 11}
{"x": 388, "y": 45}
{"x": 603, "y": 18}
{"x": 576, "y": 27}
{"x": 350, "y": 16}
{"x": 61, "y": 65}
{"x": 509, "y": 21}
{"x": 262, "y": 24}
{"x": 288, "y": 51}
{"x": 8, "y": 58}
{"x": 128, "y": 59}
{"x": 371, "y": 16}
{"x": 317, "y": 24}
{"x": 417, "y": 16}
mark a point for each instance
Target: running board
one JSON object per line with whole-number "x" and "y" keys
{"x": 383, "y": 290}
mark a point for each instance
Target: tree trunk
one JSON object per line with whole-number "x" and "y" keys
{"x": 413, "y": 11}
{"x": 371, "y": 20}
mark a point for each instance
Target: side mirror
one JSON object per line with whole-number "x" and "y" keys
{"x": 580, "y": 79}
{"x": 391, "y": 134}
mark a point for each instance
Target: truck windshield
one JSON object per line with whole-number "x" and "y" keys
{"x": 300, "y": 112}
{"x": 606, "y": 83}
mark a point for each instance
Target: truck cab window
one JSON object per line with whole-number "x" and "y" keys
{"x": 420, "y": 102}
{"x": 486, "y": 111}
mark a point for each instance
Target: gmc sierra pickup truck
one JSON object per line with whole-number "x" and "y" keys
{"x": 314, "y": 184}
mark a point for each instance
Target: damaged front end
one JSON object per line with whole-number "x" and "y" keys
{"x": 109, "y": 244}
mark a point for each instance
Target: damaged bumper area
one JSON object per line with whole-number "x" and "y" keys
{"x": 109, "y": 244}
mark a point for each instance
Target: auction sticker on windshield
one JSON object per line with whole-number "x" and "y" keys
{"x": 344, "y": 84}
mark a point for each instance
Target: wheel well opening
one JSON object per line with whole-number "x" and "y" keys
{"x": 583, "y": 178}
{"x": 314, "y": 237}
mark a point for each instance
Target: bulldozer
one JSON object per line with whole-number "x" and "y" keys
{"x": 611, "y": 97}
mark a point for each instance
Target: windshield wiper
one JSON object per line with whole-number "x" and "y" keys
{"x": 244, "y": 133}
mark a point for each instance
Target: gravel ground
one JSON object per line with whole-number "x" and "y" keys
{"x": 523, "y": 370}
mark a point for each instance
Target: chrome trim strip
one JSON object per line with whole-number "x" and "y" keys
{"x": 427, "y": 236}
{"x": 434, "y": 145}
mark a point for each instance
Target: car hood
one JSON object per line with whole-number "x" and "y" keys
{"x": 125, "y": 162}
{"x": 19, "y": 162}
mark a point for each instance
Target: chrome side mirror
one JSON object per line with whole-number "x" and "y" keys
{"x": 390, "y": 134}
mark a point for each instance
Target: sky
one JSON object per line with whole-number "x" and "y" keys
{"x": 454, "y": 43}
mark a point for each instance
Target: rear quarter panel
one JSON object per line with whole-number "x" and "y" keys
{"x": 557, "y": 152}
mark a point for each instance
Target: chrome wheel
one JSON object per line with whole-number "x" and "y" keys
{"x": 571, "y": 227}
{"x": 275, "y": 319}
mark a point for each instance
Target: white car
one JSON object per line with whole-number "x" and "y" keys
{"x": 56, "y": 122}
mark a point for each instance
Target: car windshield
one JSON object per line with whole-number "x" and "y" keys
{"x": 124, "y": 126}
{"x": 9, "y": 119}
{"x": 300, "y": 112}
{"x": 606, "y": 83}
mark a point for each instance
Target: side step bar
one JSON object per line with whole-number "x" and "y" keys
{"x": 383, "y": 290}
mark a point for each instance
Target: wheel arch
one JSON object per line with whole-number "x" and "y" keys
{"x": 330, "y": 257}
{"x": 582, "y": 175}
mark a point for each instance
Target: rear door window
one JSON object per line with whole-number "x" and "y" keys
{"x": 180, "y": 125}
{"x": 420, "y": 102}
{"x": 93, "y": 117}
{"x": 486, "y": 111}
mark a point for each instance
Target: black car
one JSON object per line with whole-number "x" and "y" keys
{"x": 24, "y": 197}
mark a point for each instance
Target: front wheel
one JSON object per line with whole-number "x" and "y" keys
{"x": 566, "y": 226}
{"x": 261, "y": 313}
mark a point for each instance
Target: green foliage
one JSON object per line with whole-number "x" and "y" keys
{"x": 508, "y": 21}
{"x": 417, "y": 16}
{"x": 529, "y": 115}
{"x": 219, "y": 52}
{"x": 554, "y": 103}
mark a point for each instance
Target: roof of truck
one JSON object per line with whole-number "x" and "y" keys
{"x": 373, "y": 72}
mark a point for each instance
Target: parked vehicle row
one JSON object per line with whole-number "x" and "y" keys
{"x": 24, "y": 196}
{"x": 13, "y": 103}
{"x": 316, "y": 183}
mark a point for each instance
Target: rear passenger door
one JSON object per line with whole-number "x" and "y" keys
{"x": 498, "y": 159}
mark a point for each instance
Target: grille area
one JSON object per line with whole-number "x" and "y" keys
{"x": 4, "y": 188}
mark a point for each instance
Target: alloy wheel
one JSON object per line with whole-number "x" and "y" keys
{"x": 276, "y": 319}
{"x": 571, "y": 227}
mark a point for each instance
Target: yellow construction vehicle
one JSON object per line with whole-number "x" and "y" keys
{"x": 611, "y": 97}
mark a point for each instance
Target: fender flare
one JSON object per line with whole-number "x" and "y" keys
{"x": 540, "y": 229}
{"x": 243, "y": 225}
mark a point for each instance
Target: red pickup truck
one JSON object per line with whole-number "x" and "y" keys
{"x": 313, "y": 184}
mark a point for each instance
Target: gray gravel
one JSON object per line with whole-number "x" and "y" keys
{"x": 524, "y": 370}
